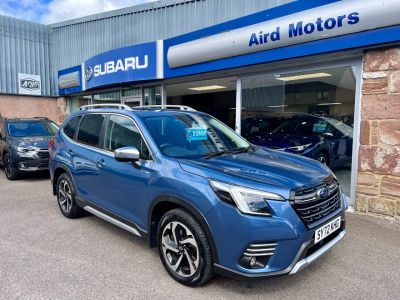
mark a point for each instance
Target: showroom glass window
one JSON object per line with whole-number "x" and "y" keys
{"x": 122, "y": 132}
{"x": 307, "y": 113}
{"x": 75, "y": 102}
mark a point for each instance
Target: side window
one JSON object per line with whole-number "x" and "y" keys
{"x": 122, "y": 132}
{"x": 90, "y": 129}
{"x": 71, "y": 127}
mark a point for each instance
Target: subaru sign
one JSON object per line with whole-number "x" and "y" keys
{"x": 128, "y": 64}
{"x": 331, "y": 20}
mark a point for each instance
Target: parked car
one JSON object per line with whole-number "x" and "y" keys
{"x": 24, "y": 145}
{"x": 324, "y": 139}
{"x": 208, "y": 199}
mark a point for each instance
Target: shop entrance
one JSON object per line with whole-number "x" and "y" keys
{"x": 216, "y": 97}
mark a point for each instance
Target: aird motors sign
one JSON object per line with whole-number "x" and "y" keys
{"x": 29, "y": 84}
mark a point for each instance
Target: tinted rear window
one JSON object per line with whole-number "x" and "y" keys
{"x": 71, "y": 127}
{"x": 89, "y": 130}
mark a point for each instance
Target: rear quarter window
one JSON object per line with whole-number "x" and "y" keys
{"x": 90, "y": 129}
{"x": 71, "y": 127}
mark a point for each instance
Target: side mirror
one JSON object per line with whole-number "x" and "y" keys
{"x": 127, "y": 154}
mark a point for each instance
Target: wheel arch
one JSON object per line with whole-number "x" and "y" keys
{"x": 326, "y": 150}
{"x": 165, "y": 203}
{"x": 60, "y": 169}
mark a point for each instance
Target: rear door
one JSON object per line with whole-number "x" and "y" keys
{"x": 83, "y": 156}
{"x": 123, "y": 188}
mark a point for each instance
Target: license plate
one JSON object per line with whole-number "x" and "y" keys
{"x": 326, "y": 230}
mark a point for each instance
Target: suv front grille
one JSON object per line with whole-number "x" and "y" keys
{"x": 43, "y": 154}
{"x": 311, "y": 206}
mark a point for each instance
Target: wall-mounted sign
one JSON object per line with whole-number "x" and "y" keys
{"x": 70, "y": 80}
{"x": 336, "y": 19}
{"x": 29, "y": 84}
{"x": 128, "y": 64}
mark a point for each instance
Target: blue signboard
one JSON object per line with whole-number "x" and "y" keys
{"x": 70, "y": 80}
{"x": 132, "y": 63}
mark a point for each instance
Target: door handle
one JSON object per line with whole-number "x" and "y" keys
{"x": 101, "y": 163}
{"x": 70, "y": 152}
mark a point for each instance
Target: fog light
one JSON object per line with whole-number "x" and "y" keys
{"x": 23, "y": 165}
{"x": 253, "y": 261}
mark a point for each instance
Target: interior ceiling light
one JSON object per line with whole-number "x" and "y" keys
{"x": 207, "y": 88}
{"x": 327, "y": 104}
{"x": 303, "y": 76}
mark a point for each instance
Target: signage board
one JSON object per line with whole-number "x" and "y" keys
{"x": 128, "y": 64}
{"x": 331, "y": 20}
{"x": 29, "y": 84}
{"x": 70, "y": 80}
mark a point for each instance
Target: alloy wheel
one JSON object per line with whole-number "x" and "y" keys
{"x": 65, "y": 196}
{"x": 322, "y": 159}
{"x": 180, "y": 249}
{"x": 7, "y": 166}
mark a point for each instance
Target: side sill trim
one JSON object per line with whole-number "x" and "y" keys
{"x": 111, "y": 220}
{"x": 310, "y": 259}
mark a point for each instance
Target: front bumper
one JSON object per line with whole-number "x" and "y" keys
{"x": 295, "y": 249}
{"x": 298, "y": 263}
{"x": 32, "y": 162}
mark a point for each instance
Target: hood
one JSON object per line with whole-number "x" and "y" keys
{"x": 280, "y": 141}
{"x": 262, "y": 168}
{"x": 41, "y": 142}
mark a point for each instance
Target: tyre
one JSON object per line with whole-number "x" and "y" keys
{"x": 322, "y": 158}
{"x": 9, "y": 170}
{"x": 183, "y": 248}
{"x": 66, "y": 198}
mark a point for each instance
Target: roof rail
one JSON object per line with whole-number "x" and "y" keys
{"x": 117, "y": 106}
{"x": 166, "y": 106}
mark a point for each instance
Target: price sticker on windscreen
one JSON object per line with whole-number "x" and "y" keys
{"x": 196, "y": 134}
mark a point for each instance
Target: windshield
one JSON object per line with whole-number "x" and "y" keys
{"x": 31, "y": 128}
{"x": 192, "y": 135}
{"x": 339, "y": 125}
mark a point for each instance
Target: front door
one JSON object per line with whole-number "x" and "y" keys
{"x": 123, "y": 186}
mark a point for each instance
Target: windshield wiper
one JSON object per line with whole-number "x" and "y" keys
{"x": 231, "y": 152}
{"x": 214, "y": 154}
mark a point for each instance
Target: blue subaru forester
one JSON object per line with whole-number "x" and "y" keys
{"x": 209, "y": 200}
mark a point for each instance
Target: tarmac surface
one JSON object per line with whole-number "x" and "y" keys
{"x": 46, "y": 256}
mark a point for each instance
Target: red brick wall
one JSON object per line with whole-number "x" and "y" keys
{"x": 378, "y": 184}
{"x": 28, "y": 106}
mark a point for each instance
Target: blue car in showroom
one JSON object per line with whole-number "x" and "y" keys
{"x": 324, "y": 139}
{"x": 211, "y": 202}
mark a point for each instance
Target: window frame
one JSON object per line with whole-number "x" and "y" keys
{"x": 105, "y": 126}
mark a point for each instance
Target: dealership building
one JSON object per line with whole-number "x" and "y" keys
{"x": 256, "y": 65}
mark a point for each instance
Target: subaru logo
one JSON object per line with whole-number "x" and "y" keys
{"x": 323, "y": 193}
{"x": 88, "y": 73}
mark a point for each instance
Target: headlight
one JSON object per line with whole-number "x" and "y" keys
{"x": 299, "y": 148}
{"x": 248, "y": 201}
{"x": 24, "y": 150}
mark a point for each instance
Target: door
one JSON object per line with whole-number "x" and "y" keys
{"x": 83, "y": 156}
{"x": 123, "y": 186}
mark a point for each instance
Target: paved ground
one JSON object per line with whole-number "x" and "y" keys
{"x": 44, "y": 255}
